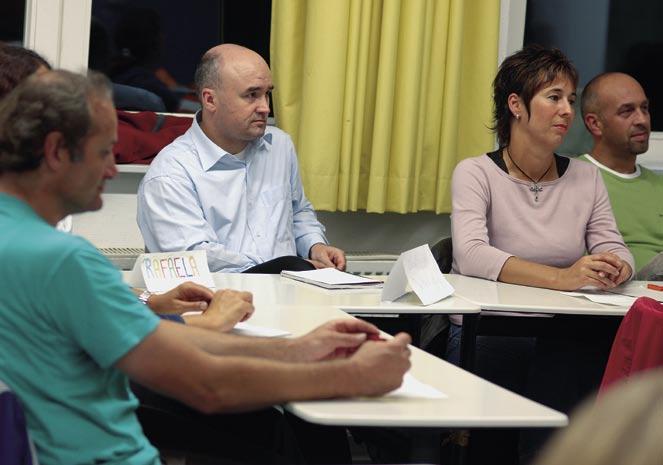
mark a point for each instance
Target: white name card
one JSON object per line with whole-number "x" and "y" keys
{"x": 418, "y": 269}
{"x": 161, "y": 272}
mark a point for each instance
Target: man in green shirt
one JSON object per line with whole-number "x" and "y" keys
{"x": 615, "y": 110}
{"x": 72, "y": 333}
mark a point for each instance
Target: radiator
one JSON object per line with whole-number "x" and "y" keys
{"x": 364, "y": 263}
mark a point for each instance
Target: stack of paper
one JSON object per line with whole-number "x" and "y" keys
{"x": 331, "y": 278}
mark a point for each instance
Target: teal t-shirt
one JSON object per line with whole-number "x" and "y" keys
{"x": 638, "y": 207}
{"x": 66, "y": 317}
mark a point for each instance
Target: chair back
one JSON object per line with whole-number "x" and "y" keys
{"x": 16, "y": 447}
{"x": 443, "y": 254}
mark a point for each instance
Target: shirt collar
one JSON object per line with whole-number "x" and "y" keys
{"x": 210, "y": 154}
{"x": 611, "y": 171}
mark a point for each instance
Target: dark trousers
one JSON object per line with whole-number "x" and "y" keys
{"x": 276, "y": 265}
{"x": 558, "y": 368}
{"x": 262, "y": 436}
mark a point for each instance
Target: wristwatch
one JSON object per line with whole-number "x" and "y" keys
{"x": 144, "y": 296}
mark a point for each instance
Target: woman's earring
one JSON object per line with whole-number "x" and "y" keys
{"x": 518, "y": 116}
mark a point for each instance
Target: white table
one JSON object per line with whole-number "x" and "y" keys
{"x": 269, "y": 289}
{"x": 471, "y": 402}
{"x": 639, "y": 289}
{"x": 502, "y": 297}
{"x": 496, "y": 296}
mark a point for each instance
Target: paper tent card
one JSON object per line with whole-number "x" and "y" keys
{"x": 418, "y": 269}
{"x": 160, "y": 272}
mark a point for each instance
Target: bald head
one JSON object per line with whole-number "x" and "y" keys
{"x": 615, "y": 111}
{"x": 212, "y": 67}
{"x": 602, "y": 86}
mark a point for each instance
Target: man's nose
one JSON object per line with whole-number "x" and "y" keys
{"x": 642, "y": 117}
{"x": 263, "y": 105}
{"x": 111, "y": 168}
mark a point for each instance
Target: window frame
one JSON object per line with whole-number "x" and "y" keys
{"x": 59, "y": 30}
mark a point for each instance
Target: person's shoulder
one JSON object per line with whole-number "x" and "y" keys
{"x": 473, "y": 172}
{"x": 650, "y": 174}
{"x": 475, "y": 164}
{"x": 70, "y": 243}
{"x": 52, "y": 247}
{"x": 582, "y": 166}
{"x": 276, "y": 136}
{"x": 174, "y": 157}
{"x": 582, "y": 157}
{"x": 276, "y": 133}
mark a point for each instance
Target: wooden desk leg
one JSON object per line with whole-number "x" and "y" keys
{"x": 468, "y": 341}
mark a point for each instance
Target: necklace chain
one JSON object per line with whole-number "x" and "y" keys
{"x": 535, "y": 188}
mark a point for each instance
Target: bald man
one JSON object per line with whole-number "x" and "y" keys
{"x": 615, "y": 110}
{"x": 230, "y": 185}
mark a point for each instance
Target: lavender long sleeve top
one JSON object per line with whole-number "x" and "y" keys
{"x": 494, "y": 216}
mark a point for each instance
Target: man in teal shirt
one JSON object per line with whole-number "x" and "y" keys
{"x": 615, "y": 110}
{"x": 71, "y": 331}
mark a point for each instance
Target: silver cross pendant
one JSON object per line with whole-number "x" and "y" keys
{"x": 536, "y": 189}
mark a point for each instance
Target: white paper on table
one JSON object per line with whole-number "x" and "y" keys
{"x": 331, "y": 278}
{"x": 248, "y": 329}
{"x": 161, "y": 272}
{"x": 417, "y": 268}
{"x": 638, "y": 289}
{"x": 415, "y": 389}
{"x": 607, "y": 298}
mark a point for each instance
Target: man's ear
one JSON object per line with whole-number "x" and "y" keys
{"x": 209, "y": 99}
{"x": 593, "y": 124}
{"x": 55, "y": 151}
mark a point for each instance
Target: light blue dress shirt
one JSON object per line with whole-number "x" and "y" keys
{"x": 242, "y": 211}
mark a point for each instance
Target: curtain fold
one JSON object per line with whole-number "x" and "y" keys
{"x": 383, "y": 97}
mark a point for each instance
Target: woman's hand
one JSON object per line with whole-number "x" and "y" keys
{"x": 603, "y": 270}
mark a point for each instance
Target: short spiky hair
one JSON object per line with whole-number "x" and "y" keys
{"x": 524, "y": 73}
{"x": 16, "y": 64}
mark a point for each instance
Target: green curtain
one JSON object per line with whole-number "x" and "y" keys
{"x": 383, "y": 97}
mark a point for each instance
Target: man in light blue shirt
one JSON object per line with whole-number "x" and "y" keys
{"x": 230, "y": 185}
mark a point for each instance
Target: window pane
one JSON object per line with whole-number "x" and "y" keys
{"x": 156, "y": 45}
{"x": 12, "y": 21}
{"x": 605, "y": 35}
